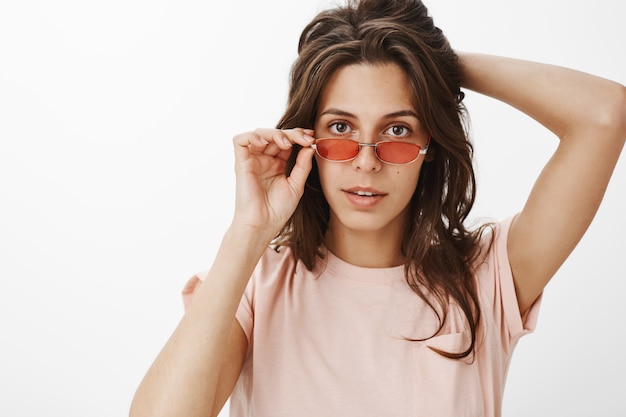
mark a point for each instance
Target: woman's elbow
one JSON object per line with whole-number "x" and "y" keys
{"x": 610, "y": 115}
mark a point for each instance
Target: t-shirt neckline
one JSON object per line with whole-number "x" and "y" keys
{"x": 342, "y": 269}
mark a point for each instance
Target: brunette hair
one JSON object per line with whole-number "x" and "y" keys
{"x": 439, "y": 250}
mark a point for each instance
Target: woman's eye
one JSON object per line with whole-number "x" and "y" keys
{"x": 339, "y": 127}
{"x": 398, "y": 130}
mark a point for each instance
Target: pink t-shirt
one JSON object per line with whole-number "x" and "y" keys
{"x": 333, "y": 342}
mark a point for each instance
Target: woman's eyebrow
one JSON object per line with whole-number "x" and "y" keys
{"x": 337, "y": 112}
{"x": 401, "y": 113}
{"x": 343, "y": 113}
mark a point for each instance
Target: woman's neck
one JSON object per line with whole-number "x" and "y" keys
{"x": 370, "y": 249}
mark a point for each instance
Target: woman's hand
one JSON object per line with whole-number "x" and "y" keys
{"x": 265, "y": 196}
{"x": 198, "y": 367}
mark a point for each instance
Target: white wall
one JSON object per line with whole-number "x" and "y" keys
{"x": 116, "y": 184}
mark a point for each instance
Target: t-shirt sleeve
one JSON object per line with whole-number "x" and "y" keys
{"x": 244, "y": 313}
{"x": 496, "y": 283}
{"x": 190, "y": 288}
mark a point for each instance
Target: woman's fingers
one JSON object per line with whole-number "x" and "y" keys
{"x": 271, "y": 142}
{"x": 265, "y": 194}
{"x": 244, "y": 141}
{"x": 301, "y": 169}
{"x": 285, "y": 138}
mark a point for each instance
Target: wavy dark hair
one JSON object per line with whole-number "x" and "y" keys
{"x": 439, "y": 251}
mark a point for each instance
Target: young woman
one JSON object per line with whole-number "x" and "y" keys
{"x": 348, "y": 283}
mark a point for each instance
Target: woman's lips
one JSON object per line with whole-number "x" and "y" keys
{"x": 364, "y": 197}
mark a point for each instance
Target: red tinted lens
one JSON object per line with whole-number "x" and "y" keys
{"x": 397, "y": 152}
{"x": 337, "y": 149}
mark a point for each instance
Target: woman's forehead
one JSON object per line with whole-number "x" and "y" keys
{"x": 383, "y": 88}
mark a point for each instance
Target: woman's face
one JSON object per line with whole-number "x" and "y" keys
{"x": 369, "y": 103}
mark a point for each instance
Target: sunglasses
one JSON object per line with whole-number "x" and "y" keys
{"x": 342, "y": 150}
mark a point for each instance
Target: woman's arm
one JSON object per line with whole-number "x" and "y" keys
{"x": 197, "y": 368}
{"x": 588, "y": 114}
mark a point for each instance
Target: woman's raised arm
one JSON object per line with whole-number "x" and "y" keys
{"x": 199, "y": 365}
{"x": 588, "y": 114}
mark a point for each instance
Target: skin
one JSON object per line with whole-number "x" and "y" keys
{"x": 198, "y": 367}
{"x": 367, "y": 231}
{"x": 588, "y": 115}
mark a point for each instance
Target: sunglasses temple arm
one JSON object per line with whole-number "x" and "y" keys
{"x": 425, "y": 150}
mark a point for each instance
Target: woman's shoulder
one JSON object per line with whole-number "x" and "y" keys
{"x": 496, "y": 285}
{"x": 275, "y": 265}
{"x": 493, "y": 239}
{"x": 491, "y": 262}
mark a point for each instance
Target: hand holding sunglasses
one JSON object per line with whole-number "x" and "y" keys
{"x": 265, "y": 197}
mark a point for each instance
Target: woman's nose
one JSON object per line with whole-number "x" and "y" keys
{"x": 366, "y": 160}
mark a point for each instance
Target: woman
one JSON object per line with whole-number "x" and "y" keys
{"x": 375, "y": 299}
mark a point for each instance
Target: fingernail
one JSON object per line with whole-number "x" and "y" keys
{"x": 286, "y": 142}
{"x": 309, "y": 138}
